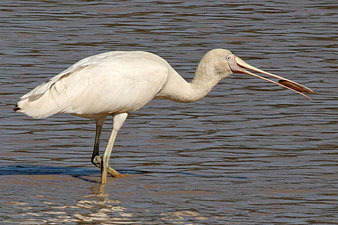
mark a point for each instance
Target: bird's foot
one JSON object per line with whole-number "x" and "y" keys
{"x": 97, "y": 161}
{"x": 114, "y": 173}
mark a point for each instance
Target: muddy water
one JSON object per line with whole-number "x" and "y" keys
{"x": 248, "y": 153}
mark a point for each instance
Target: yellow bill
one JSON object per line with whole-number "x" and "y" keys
{"x": 238, "y": 65}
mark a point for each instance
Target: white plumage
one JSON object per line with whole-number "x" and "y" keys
{"x": 117, "y": 83}
{"x": 97, "y": 85}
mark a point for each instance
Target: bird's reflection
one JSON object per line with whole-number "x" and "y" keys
{"x": 98, "y": 207}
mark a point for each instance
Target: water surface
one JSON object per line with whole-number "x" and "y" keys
{"x": 248, "y": 153}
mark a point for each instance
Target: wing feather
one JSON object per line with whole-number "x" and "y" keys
{"x": 105, "y": 83}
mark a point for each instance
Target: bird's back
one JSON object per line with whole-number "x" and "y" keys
{"x": 107, "y": 83}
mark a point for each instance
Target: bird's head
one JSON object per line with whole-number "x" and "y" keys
{"x": 225, "y": 63}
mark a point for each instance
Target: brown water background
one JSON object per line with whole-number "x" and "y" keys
{"x": 248, "y": 153}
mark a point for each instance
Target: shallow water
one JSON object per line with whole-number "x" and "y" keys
{"x": 248, "y": 153}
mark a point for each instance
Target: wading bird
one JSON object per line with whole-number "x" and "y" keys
{"x": 119, "y": 82}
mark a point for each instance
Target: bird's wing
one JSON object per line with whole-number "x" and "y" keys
{"x": 105, "y": 83}
{"x": 123, "y": 85}
{"x": 38, "y": 91}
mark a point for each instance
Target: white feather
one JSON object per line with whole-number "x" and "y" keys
{"x": 97, "y": 85}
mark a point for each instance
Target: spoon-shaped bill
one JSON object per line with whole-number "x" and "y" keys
{"x": 238, "y": 65}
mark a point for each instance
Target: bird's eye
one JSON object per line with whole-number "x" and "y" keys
{"x": 228, "y": 57}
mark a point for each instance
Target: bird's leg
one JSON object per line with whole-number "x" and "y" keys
{"x": 96, "y": 158}
{"x": 118, "y": 121}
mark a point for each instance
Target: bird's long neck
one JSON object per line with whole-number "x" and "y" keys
{"x": 179, "y": 90}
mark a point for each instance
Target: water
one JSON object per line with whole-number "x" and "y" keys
{"x": 248, "y": 153}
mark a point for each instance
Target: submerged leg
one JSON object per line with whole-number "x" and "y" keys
{"x": 118, "y": 121}
{"x": 96, "y": 158}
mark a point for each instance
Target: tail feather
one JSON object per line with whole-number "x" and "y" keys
{"x": 41, "y": 102}
{"x": 36, "y": 109}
